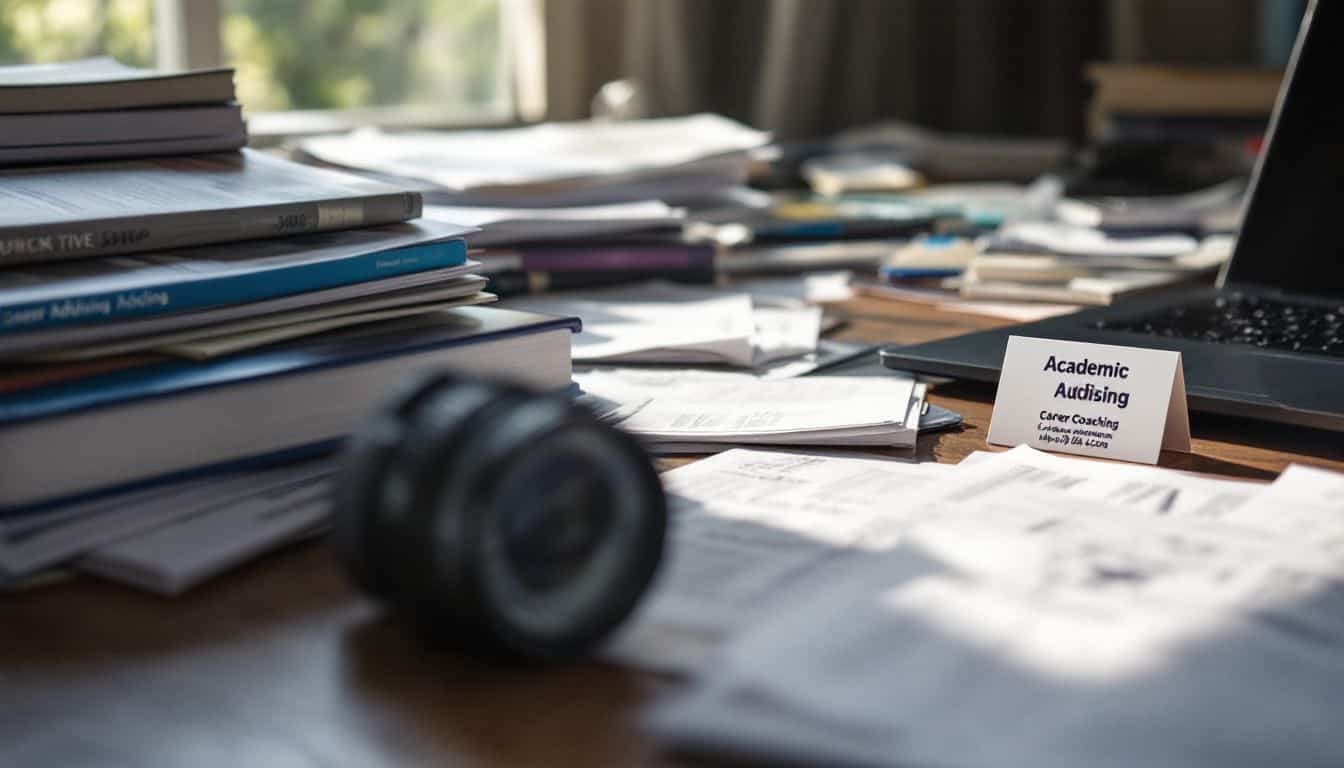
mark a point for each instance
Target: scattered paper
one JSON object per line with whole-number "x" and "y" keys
{"x": 746, "y": 524}
{"x": 801, "y": 291}
{"x": 1069, "y": 240}
{"x": 654, "y": 323}
{"x": 562, "y": 163}
{"x": 232, "y": 343}
{"x": 1091, "y": 599}
{"x": 782, "y": 334}
{"x": 505, "y": 226}
{"x": 206, "y": 541}
{"x": 36, "y": 541}
{"x": 830, "y": 410}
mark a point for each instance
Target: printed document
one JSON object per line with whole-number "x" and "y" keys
{"x": 655, "y": 323}
{"x": 704, "y": 407}
{"x": 547, "y": 154}
{"x": 747, "y": 524}
{"x": 1048, "y": 605}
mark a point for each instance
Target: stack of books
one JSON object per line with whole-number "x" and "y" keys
{"x": 99, "y": 108}
{"x": 170, "y": 327}
{"x": 1070, "y": 264}
{"x": 567, "y": 205}
{"x": 1147, "y": 103}
{"x": 536, "y": 250}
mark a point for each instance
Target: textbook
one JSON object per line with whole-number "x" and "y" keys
{"x": 114, "y": 126}
{"x": 353, "y": 297}
{"x": 104, "y": 83}
{"x": 58, "y": 212}
{"x": 169, "y": 420}
{"x": 190, "y": 145}
{"x": 125, "y": 288}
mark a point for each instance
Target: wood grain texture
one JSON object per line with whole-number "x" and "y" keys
{"x": 282, "y": 663}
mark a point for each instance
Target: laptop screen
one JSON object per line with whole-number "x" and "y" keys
{"x": 1293, "y": 234}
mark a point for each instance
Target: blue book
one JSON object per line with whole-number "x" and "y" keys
{"x": 114, "y": 289}
{"x": 163, "y": 421}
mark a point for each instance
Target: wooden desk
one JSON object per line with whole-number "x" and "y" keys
{"x": 282, "y": 664}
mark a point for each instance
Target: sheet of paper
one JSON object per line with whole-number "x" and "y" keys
{"x": 33, "y": 542}
{"x": 1021, "y": 312}
{"x": 479, "y": 216}
{"x": 1304, "y": 504}
{"x": 845, "y": 410}
{"x": 540, "y": 154}
{"x": 654, "y": 323}
{"x": 228, "y": 344}
{"x": 782, "y": 334}
{"x": 1066, "y": 239}
{"x": 801, "y": 291}
{"x": 1019, "y": 592}
{"x": 505, "y": 226}
{"x": 870, "y": 436}
{"x": 1146, "y": 490}
{"x": 1231, "y": 693}
{"x": 180, "y": 554}
{"x": 829, "y": 353}
{"x": 746, "y": 524}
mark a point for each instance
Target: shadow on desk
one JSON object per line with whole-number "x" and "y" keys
{"x": 1222, "y": 445}
{"x": 489, "y": 709}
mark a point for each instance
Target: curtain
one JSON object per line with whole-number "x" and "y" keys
{"x": 806, "y": 68}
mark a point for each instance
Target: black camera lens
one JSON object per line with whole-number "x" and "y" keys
{"x": 501, "y": 518}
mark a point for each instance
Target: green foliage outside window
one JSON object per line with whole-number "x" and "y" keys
{"x": 33, "y": 31}
{"x": 294, "y": 54}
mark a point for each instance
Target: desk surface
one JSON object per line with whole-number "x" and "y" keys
{"x": 282, "y": 664}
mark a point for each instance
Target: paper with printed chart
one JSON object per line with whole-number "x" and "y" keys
{"x": 654, "y": 323}
{"x": 665, "y": 323}
{"x": 713, "y": 407}
{"x": 746, "y": 526}
{"x": 1052, "y": 607}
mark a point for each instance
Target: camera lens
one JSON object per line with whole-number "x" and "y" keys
{"x": 501, "y": 518}
{"x": 567, "y": 539}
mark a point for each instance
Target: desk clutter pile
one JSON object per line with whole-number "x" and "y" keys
{"x": 171, "y": 326}
{"x": 185, "y": 339}
{"x": 1017, "y": 609}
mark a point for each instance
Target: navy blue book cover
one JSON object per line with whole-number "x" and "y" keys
{"x": 468, "y": 325}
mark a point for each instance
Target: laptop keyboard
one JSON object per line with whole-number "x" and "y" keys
{"x": 1239, "y": 319}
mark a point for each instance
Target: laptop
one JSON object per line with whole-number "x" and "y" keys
{"x": 1268, "y": 341}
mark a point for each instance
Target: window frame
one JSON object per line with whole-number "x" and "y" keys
{"x": 187, "y": 35}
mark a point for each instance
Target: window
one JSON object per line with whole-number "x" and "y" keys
{"x": 56, "y": 30}
{"x": 338, "y": 61}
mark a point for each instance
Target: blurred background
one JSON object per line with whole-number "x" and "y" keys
{"x": 801, "y": 68}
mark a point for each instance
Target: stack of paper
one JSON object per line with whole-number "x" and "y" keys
{"x": 169, "y": 538}
{"x": 749, "y": 525}
{"x": 1055, "y": 608}
{"x": 702, "y": 412}
{"x": 666, "y": 323}
{"x": 1067, "y": 263}
{"x": 581, "y": 163}
{"x": 512, "y": 226}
